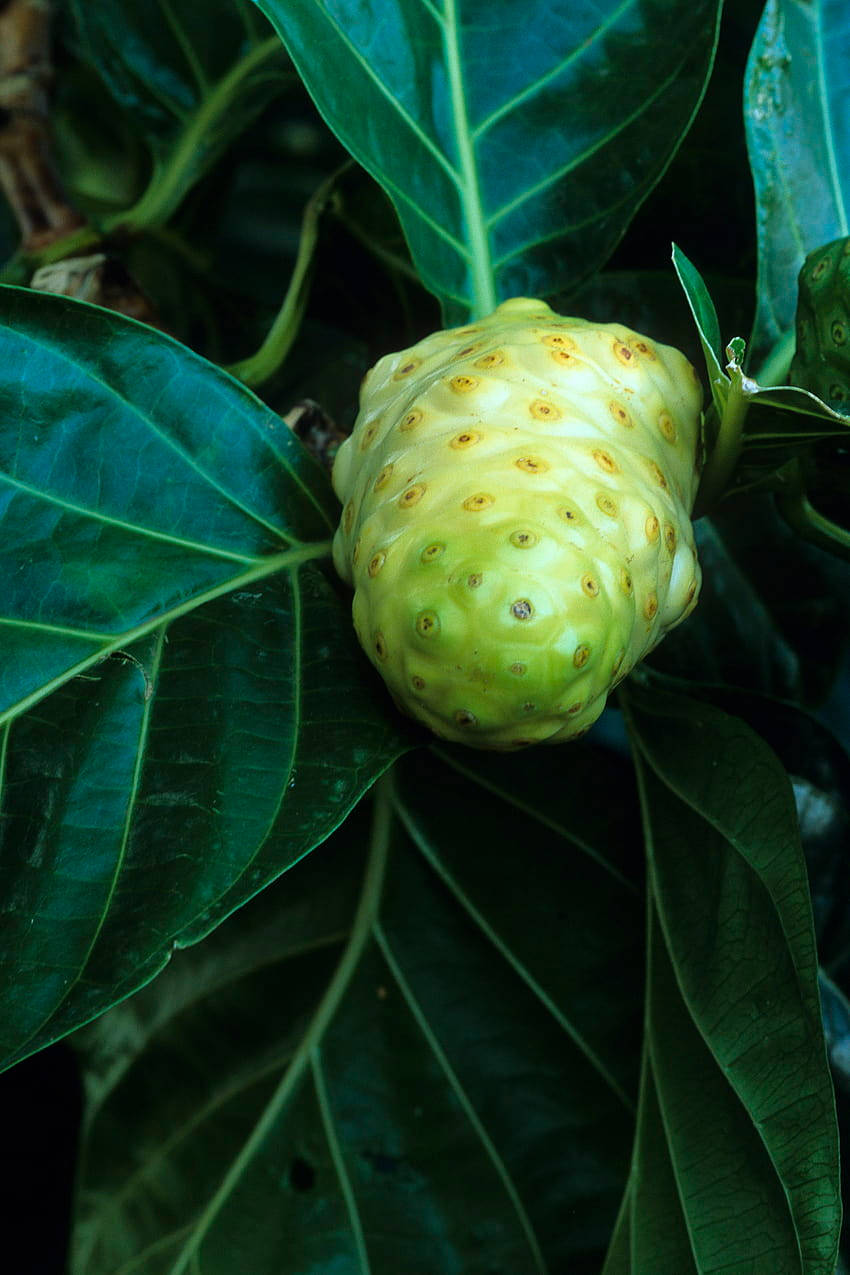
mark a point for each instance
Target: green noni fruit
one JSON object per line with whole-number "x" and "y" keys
{"x": 822, "y": 357}
{"x": 516, "y": 498}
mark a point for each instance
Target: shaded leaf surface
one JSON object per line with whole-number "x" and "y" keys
{"x": 157, "y": 789}
{"x": 437, "y": 1044}
{"x": 735, "y": 976}
{"x": 772, "y": 615}
{"x": 438, "y": 122}
{"x": 189, "y": 78}
{"x": 797, "y": 134}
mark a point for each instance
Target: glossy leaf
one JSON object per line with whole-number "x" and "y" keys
{"x": 708, "y": 325}
{"x": 505, "y": 181}
{"x": 158, "y": 538}
{"x": 796, "y": 113}
{"x": 190, "y": 78}
{"x": 306, "y": 1090}
{"x": 734, "y": 1016}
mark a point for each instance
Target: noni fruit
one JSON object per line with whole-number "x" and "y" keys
{"x": 822, "y": 357}
{"x": 516, "y": 497}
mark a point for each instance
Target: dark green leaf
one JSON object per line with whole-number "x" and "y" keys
{"x": 795, "y": 110}
{"x": 773, "y": 612}
{"x": 729, "y": 884}
{"x": 189, "y": 77}
{"x": 289, "y": 1102}
{"x": 512, "y": 169}
{"x": 156, "y": 513}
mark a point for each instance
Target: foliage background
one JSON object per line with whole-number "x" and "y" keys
{"x": 210, "y": 224}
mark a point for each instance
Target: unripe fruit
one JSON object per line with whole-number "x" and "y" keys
{"x": 822, "y": 358}
{"x": 516, "y": 498}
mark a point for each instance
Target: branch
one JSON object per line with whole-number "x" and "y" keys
{"x": 28, "y": 176}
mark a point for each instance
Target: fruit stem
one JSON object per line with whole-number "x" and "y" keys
{"x": 726, "y": 452}
{"x": 802, "y": 517}
{"x": 262, "y": 365}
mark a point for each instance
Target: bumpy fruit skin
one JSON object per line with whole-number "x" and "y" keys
{"x": 516, "y": 498}
{"x": 822, "y": 358}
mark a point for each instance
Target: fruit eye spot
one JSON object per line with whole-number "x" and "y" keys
{"x": 479, "y": 501}
{"x": 606, "y": 505}
{"x": 652, "y": 527}
{"x": 468, "y": 439}
{"x": 376, "y": 563}
{"x": 581, "y": 655}
{"x": 348, "y": 518}
{"x": 406, "y": 368}
{"x": 380, "y": 646}
{"x": 494, "y": 359}
{"x": 621, "y": 416}
{"x": 543, "y": 411}
{"x": 574, "y": 708}
{"x": 563, "y": 356}
{"x": 670, "y": 537}
{"x": 518, "y": 670}
{"x": 523, "y": 539}
{"x": 657, "y": 474}
{"x": 474, "y": 580}
{"x": 589, "y": 585}
{"x": 820, "y": 269}
{"x": 463, "y": 384}
{"x": 667, "y": 426}
{"x": 692, "y": 588}
{"x": 356, "y": 552}
{"x": 531, "y": 465}
{"x": 427, "y": 624}
{"x": 605, "y": 461}
{"x": 528, "y": 708}
{"x": 641, "y": 347}
{"x": 412, "y": 496}
{"x": 556, "y": 341}
{"x": 464, "y": 718}
{"x": 431, "y": 552}
{"x": 626, "y": 583}
{"x": 418, "y": 683}
{"x": 368, "y": 435}
{"x": 650, "y": 607}
{"x": 624, "y": 354}
{"x": 569, "y": 515}
{"x": 411, "y": 420}
{"x": 383, "y": 477}
{"x": 467, "y": 350}
{"x": 522, "y": 609}
{"x": 838, "y": 332}
{"x": 837, "y": 393}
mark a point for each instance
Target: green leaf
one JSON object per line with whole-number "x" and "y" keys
{"x": 796, "y": 111}
{"x": 734, "y": 1016}
{"x": 515, "y": 150}
{"x": 190, "y": 77}
{"x": 708, "y": 325}
{"x": 304, "y": 1092}
{"x": 154, "y": 512}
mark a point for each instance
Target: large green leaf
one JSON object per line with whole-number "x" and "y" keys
{"x": 189, "y": 77}
{"x": 515, "y": 143}
{"x": 796, "y": 111}
{"x": 307, "y": 1090}
{"x": 154, "y": 512}
{"x": 733, "y": 1016}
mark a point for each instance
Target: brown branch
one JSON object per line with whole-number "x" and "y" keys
{"x": 28, "y": 176}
